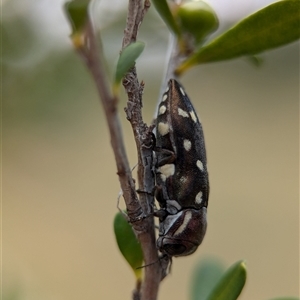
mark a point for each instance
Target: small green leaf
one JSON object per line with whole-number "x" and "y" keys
{"x": 128, "y": 244}
{"x": 163, "y": 9}
{"x": 77, "y": 13}
{"x": 231, "y": 284}
{"x": 126, "y": 60}
{"x": 270, "y": 27}
{"x": 205, "y": 276}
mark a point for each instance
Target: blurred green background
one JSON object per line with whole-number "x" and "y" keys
{"x": 59, "y": 183}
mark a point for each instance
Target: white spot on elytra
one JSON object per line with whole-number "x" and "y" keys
{"x": 167, "y": 89}
{"x": 200, "y": 165}
{"x": 198, "y": 198}
{"x": 162, "y": 110}
{"x": 165, "y": 97}
{"x": 187, "y": 218}
{"x": 166, "y": 171}
{"x": 173, "y": 206}
{"x": 163, "y": 128}
{"x": 183, "y": 179}
{"x": 182, "y": 91}
{"x": 193, "y": 115}
{"x": 182, "y": 113}
{"x": 170, "y": 220}
{"x": 187, "y": 145}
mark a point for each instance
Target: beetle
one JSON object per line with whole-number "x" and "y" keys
{"x": 181, "y": 174}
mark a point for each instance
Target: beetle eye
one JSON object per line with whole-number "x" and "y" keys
{"x": 174, "y": 249}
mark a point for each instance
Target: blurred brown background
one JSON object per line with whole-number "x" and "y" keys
{"x": 59, "y": 183}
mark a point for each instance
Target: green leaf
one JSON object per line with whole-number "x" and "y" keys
{"x": 163, "y": 9}
{"x": 128, "y": 244}
{"x": 126, "y": 60}
{"x": 270, "y": 27}
{"x": 77, "y": 13}
{"x": 205, "y": 276}
{"x": 231, "y": 284}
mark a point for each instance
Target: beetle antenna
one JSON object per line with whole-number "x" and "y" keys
{"x": 165, "y": 262}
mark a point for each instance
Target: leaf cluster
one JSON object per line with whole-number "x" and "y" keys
{"x": 273, "y": 26}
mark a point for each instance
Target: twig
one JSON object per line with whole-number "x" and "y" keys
{"x": 143, "y": 139}
{"x": 91, "y": 52}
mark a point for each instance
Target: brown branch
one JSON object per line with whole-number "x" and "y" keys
{"x": 143, "y": 138}
{"x": 90, "y": 51}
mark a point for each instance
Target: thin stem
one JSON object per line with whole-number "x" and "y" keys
{"x": 95, "y": 64}
{"x": 143, "y": 139}
{"x": 92, "y": 56}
